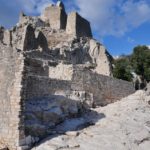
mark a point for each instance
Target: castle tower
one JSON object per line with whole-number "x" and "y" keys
{"x": 78, "y": 26}
{"x": 55, "y": 15}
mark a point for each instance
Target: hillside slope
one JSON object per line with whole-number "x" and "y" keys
{"x": 124, "y": 125}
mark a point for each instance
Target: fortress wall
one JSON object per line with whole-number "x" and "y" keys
{"x": 43, "y": 108}
{"x": 36, "y": 67}
{"x": 49, "y": 101}
{"x": 105, "y": 89}
{"x": 71, "y": 24}
{"x": 38, "y": 86}
{"x": 56, "y": 16}
{"x": 76, "y": 25}
{"x": 11, "y": 120}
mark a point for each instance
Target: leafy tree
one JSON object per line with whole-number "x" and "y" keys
{"x": 122, "y": 69}
{"x": 140, "y": 61}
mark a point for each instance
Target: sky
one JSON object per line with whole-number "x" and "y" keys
{"x": 118, "y": 24}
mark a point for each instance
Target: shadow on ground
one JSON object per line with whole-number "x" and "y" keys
{"x": 87, "y": 118}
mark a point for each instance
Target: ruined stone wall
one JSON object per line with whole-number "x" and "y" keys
{"x": 78, "y": 26}
{"x": 55, "y": 16}
{"x": 105, "y": 89}
{"x": 49, "y": 99}
{"x": 61, "y": 72}
{"x": 7, "y": 37}
{"x": 11, "y": 72}
{"x": 44, "y": 108}
{"x": 38, "y": 86}
{"x": 101, "y": 58}
{"x": 1, "y": 33}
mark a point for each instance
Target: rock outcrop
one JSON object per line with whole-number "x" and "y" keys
{"x": 49, "y": 74}
{"x": 147, "y": 94}
{"x": 122, "y": 125}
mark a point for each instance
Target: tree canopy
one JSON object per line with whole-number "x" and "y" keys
{"x": 138, "y": 62}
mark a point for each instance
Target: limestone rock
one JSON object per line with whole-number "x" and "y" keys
{"x": 148, "y": 89}
{"x": 7, "y": 37}
{"x": 147, "y": 94}
{"x": 123, "y": 126}
{"x": 101, "y": 58}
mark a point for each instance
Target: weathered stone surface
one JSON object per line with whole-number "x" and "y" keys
{"x": 10, "y": 96}
{"x": 148, "y": 89}
{"x": 147, "y": 94}
{"x": 43, "y": 113}
{"x": 60, "y": 4}
{"x": 25, "y": 20}
{"x": 55, "y": 15}
{"x": 7, "y": 37}
{"x": 124, "y": 125}
{"x": 61, "y": 72}
{"x": 78, "y": 26}
{"x": 101, "y": 58}
{"x": 1, "y": 33}
{"x": 105, "y": 89}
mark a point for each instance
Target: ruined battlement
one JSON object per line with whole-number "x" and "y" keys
{"x": 78, "y": 26}
{"x": 55, "y": 15}
{"x": 73, "y": 23}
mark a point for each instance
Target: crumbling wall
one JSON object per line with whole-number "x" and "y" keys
{"x": 11, "y": 120}
{"x": 55, "y": 16}
{"x": 49, "y": 101}
{"x": 101, "y": 58}
{"x": 1, "y": 33}
{"x": 78, "y": 26}
{"x": 61, "y": 72}
{"x": 44, "y": 107}
{"x": 7, "y": 37}
{"x": 105, "y": 89}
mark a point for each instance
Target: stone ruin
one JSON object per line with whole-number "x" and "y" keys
{"x": 51, "y": 69}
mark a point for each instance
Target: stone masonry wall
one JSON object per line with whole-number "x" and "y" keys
{"x": 55, "y": 16}
{"x": 49, "y": 101}
{"x": 61, "y": 72}
{"x": 78, "y": 26}
{"x": 11, "y": 69}
{"x": 105, "y": 89}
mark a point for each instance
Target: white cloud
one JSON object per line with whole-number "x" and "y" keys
{"x": 34, "y": 6}
{"x": 107, "y": 17}
{"x": 114, "y": 17}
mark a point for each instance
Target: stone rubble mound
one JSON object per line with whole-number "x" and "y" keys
{"x": 122, "y": 125}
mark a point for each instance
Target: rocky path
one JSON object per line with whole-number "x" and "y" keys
{"x": 124, "y": 125}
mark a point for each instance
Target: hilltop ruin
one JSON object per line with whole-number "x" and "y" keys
{"x": 50, "y": 69}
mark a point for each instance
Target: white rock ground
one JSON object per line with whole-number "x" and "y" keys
{"x": 124, "y": 125}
